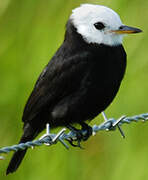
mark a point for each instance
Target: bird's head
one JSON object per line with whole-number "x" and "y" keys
{"x": 100, "y": 24}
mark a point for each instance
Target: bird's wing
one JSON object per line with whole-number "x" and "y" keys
{"x": 60, "y": 78}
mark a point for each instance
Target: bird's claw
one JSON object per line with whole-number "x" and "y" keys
{"x": 78, "y": 144}
{"x": 80, "y": 135}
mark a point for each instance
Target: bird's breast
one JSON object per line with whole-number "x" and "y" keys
{"x": 103, "y": 82}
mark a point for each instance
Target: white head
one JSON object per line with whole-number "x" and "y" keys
{"x": 100, "y": 24}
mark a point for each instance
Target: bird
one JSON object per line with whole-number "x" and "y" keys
{"x": 81, "y": 79}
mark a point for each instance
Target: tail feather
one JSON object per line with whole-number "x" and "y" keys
{"x": 15, "y": 161}
{"x": 29, "y": 134}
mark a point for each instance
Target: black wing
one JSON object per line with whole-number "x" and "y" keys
{"x": 60, "y": 78}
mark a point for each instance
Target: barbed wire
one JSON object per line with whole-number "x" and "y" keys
{"x": 50, "y": 139}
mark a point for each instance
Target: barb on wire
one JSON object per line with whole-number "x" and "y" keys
{"x": 50, "y": 139}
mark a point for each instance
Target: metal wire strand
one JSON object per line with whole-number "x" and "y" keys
{"x": 50, "y": 139}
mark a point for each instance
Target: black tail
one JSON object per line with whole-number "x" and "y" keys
{"x": 29, "y": 134}
{"x": 15, "y": 161}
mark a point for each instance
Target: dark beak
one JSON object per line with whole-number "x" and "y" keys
{"x": 127, "y": 30}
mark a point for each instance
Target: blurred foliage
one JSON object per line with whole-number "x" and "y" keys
{"x": 30, "y": 33}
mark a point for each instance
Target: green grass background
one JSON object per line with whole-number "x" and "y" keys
{"x": 30, "y": 33}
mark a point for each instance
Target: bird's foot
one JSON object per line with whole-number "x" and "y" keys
{"x": 81, "y": 135}
{"x": 88, "y": 129}
{"x": 78, "y": 144}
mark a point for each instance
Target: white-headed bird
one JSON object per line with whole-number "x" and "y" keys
{"x": 81, "y": 79}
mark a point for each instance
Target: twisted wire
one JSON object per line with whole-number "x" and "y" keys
{"x": 61, "y": 136}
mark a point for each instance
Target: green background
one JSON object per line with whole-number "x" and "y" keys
{"x": 30, "y": 33}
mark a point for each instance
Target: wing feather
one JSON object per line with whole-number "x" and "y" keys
{"x": 60, "y": 78}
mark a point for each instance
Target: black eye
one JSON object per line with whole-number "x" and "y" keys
{"x": 99, "y": 25}
{"x": 121, "y": 27}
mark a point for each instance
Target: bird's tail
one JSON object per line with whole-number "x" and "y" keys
{"x": 29, "y": 134}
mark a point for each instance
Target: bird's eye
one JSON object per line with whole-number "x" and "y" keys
{"x": 121, "y": 27}
{"x": 99, "y": 25}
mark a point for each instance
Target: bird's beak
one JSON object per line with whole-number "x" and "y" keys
{"x": 127, "y": 30}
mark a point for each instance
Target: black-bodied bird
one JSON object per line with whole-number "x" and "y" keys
{"x": 82, "y": 78}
